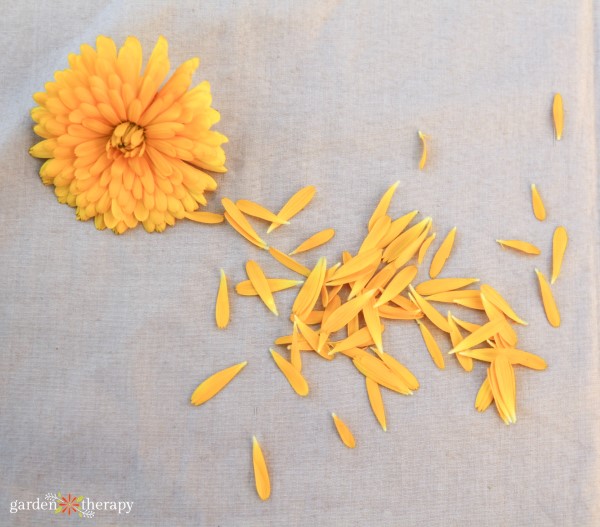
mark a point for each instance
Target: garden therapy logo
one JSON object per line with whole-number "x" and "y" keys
{"x": 70, "y": 505}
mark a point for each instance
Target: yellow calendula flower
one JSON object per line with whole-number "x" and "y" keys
{"x": 122, "y": 147}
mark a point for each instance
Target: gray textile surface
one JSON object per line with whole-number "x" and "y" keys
{"x": 104, "y": 338}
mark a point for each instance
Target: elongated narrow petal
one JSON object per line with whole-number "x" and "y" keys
{"x": 344, "y": 432}
{"x": 502, "y": 381}
{"x": 383, "y": 205}
{"x": 398, "y": 244}
{"x": 442, "y": 254}
{"x": 400, "y": 282}
{"x": 377, "y": 370}
{"x": 241, "y": 222}
{"x": 469, "y": 326}
{"x": 484, "y": 396}
{"x": 382, "y": 278}
{"x": 411, "y": 249}
{"x": 289, "y": 262}
{"x": 442, "y": 285}
{"x": 376, "y": 402}
{"x": 405, "y": 375}
{"x": 515, "y": 356}
{"x": 471, "y": 302}
{"x": 309, "y": 293}
{"x": 519, "y": 245}
{"x": 550, "y": 308}
{"x": 342, "y": 315}
{"x": 215, "y": 383}
{"x": 311, "y": 336}
{"x": 261, "y": 474}
{"x": 373, "y": 322}
{"x": 398, "y": 313}
{"x": 423, "y": 160}
{"x": 432, "y": 346}
{"x": 222, "y": 307}
{"x": 259, "y": 281}
{"x": 315, "y": 240}
{"x": 430, "y": 312}
{"x": 423, "y": 249}
{"x": 246, "y": 288}
{"x": 204, "y": 217}
{"x": 355, "y": 266}
{"x": 295, "y": 358}
{"x": 539, "y": 211}
{"x": 559, "y": 246}
{"x": 496, "y": 298}
{"x": 359, "y": 339}
{"x": 558, "y": 115}
{"x": 478, "y": 336}
{"x": 258, "y": 242}
{"x": 332, "y": 305}
{"x": 397, "y": 227}
{"x": 450, "y": 297}
{"x": 258, "y": 211}
{"x": 294, "y": 205}
{"x": 376, "y": 234}
{"x": 293, "y": 376}
{"x": 456, "y": 338}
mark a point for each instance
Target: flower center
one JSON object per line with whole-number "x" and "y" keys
{"x": 128, "y": 138}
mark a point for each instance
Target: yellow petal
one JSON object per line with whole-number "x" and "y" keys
{"x": 470, "y": 302}
{"x": 315, "y": 240}
{"x": 204, "y": 217}
{"x": 423, "y": 160}
{"x": 519, "y": 245}
{"x": 344, "y": 432}
{"x": 397, "y": 227}
{"x": 558, "y": 115}
{"x": 550, "y": 308}
{"x": 311, "y": 336}
{"x": 442, "y": 285}
{"x": 430, "y": 312}
{"x": 293, "y": 376}
{"x": 383, "y": 205}
{"x": 401, "y": 371}
{"x": 294, "y": 205}
{"x": 559, "y": 246}
{"x": 376, "y": 234}
{"x": 342, "y": 315}
{"x": 309, "y": 293}
{"x": 239, "y": 218}
{"x": 354, "y": 267}
{"x": 246, "y": 288}
{"x": 469, "y": 326}
{"x": 406, "y": 253}
{"x": 442, "y": 254}
{"x": 359, "y": 339}
{"x": 377, "y": 370}
{"x": 456, "y": 338}
{"x": 504, "y": 387}
{"x": 450, "y": 297}
{"x": 258, "y": 211}
{"x": 515, "y": 356}
{"x": 398, "y": 313}
{"x": 403, "y": 240}
{"x": 256, "y": 241}
{"x": 495, "y": 298}
{"x": 484, "y": 396}
{"x": 289, "y": 262}
{"x": 404, "y": 277}
{"x": 215, "y": 383}
{"x": 261, "y": 474}
{"x": 432, "y": 346}
{"x": 259, "y": 281}
{"x": 376, "y": 402}
{"x": 424, "y": 247}
{"x": 371, "y": 317}
{"x": 478, "y": 336}
{"x": 539, "y": 211}
{"x": 222, "y": 308}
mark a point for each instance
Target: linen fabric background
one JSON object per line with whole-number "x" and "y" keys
{"x": 105, "y": 337}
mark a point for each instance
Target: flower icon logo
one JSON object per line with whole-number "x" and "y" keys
{"x": 69, "y": 504}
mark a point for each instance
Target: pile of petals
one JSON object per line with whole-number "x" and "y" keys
{"x": 122, "y": 147}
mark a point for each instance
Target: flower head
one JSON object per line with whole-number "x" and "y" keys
{"x": 119, "y": 147}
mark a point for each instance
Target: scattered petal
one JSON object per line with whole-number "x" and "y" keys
{"x": 261, "y": 474}
{"x": 222, "y": 307}
{"x": 550, "y": 308}
{"x": 344, "y": 432}
{"x": 559, "y": 246}
{"x": 215, "y": 383}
